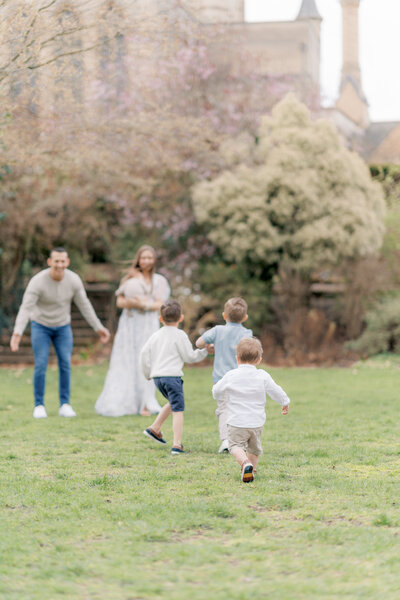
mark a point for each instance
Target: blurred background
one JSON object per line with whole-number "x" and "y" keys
{"x": 210, "y": 130}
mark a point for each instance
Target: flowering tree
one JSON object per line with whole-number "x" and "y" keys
{"x": 111, "y": 116}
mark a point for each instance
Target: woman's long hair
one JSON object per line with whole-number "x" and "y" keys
{"x": 135, "y": 268}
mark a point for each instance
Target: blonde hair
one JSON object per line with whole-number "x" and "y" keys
{"x": 235, "y": 309}
{"x": 135, "y": 268}
{"x": 249, "y": 350}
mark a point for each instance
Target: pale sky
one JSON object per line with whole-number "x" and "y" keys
{"x": 379, "y": 48}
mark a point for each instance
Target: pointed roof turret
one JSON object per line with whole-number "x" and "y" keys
{"x": 308, "y": 10}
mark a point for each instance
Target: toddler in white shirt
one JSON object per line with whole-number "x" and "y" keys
{"x": 162, "y": 359}
{"x": 245, "y": 389}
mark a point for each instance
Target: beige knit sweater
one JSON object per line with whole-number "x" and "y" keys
{"x": 48, "y": 301}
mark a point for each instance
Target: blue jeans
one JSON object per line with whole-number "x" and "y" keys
{"x": 62, "y": 340}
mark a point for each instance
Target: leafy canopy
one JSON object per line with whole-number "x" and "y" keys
{"x": 294, "y": 195}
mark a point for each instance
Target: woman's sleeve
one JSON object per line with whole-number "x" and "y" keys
{"x": 121, "y": 289}
{"x": 162, "y": 291}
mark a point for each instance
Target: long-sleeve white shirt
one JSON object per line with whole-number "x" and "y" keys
{"x": 48, "y": 301}
{"x": 244, "y": 390}
{"x": 165, "y": 352}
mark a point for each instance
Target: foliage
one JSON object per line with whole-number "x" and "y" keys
{"x": 295, "y": 195}
{"x": 389, "y": 177}
{"x": 374, "y": 284}
{"x": 220, "y": 281}
{"x": 382, "y": 328}
{"x": 298, "y": 332}
{"x": 110, "y": 115}
{"x": 88, "y": 506}
{"x": 363, "y": 280}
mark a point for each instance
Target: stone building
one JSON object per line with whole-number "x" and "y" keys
{"x": 293, "y": 48}
{"x": 90, "y": 56}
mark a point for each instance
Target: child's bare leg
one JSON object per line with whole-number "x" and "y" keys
{"x": 161, "y": 417}
{"x": 253, "y": 458}
{"x": 177, "y": 427}
{"x": 239, "y": 455}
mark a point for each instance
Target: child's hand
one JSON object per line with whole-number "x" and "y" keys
{"x": 210, "y": 348}
{"x": 285, "y": 409}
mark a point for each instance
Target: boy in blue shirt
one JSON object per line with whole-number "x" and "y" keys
{"x": 225, "y": 338}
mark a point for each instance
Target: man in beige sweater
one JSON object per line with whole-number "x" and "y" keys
{"x": 47, "y": 304}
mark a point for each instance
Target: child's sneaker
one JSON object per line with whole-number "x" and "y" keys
{"x": 157, "y": 437}
{"x": 177, "y": 450}
{"x": 247, "y": 472}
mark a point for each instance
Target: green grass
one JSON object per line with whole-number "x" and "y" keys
{"x": 91, "y": 509}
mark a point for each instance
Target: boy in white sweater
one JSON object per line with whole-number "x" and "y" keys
{"x": 245, "y": 388}
{"x": 162, "y": 359}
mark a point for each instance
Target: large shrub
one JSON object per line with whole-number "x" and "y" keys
{"x": 294, "y": 195}
{"x": 382, "y": 332}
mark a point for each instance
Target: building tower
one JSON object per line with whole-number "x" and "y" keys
{"x": 310, "y": 18}
{"x": 217, "y": 11}
{"x": 308, "y": 10}
{"x": 352, "y": 101}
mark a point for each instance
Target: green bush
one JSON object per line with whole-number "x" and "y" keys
{"x": 382, "y": 332}
{"x": 220, "y": 281}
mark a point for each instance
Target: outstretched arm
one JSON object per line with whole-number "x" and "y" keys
{"x": 104, "y": 335}
{"x": 14, "y": 342}
{"x": 275, "y": 392}
{"x": 83, "y": 303}
{"x": 29, "y": 301}
{"x": 207, "y": 340}
{"x": 188, "y": 354}
{"x": 200, "y": 343}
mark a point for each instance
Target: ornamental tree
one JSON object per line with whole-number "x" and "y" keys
{"x": 294, "y": 195}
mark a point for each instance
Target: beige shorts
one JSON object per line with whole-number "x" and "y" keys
{"x": 249, "y": 439}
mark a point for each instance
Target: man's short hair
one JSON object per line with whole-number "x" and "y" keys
{"x": 249, "y": 350}
{"x": 235, "y": 309}
{"x": 58, "y": 249}
{"x": 171, "y": 311}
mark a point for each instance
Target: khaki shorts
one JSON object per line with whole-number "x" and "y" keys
{"x": 249, "y": 439}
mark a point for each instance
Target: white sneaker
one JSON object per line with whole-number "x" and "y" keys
{"x": 39, "y": 412}
{"x": 224, "y": 447}
{"x": 66, "y": 410}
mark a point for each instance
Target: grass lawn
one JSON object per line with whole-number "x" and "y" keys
{"x": 91, "y": 509}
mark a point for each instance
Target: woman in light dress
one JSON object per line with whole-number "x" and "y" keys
{"x": 141, "y": 293}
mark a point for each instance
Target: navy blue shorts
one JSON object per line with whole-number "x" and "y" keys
{"x": 172, "y": 389}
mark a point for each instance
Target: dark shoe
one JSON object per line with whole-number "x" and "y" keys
{"x": 247, "y": 472}
{"x": 157, "y": 437}
{"x": 177, "y": 450}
